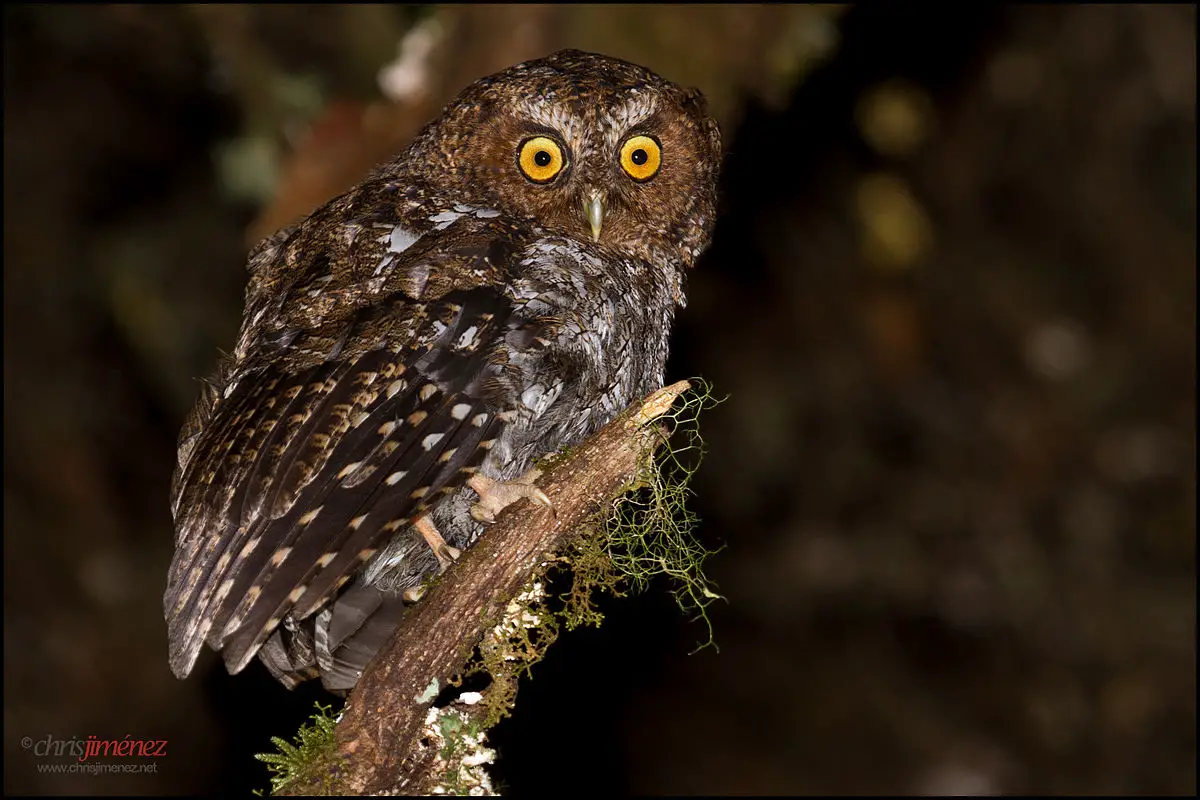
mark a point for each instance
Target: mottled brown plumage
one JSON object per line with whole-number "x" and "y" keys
{"x": 500, "y": 290}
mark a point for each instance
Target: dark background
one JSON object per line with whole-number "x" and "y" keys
{"x": 951, "y": 300}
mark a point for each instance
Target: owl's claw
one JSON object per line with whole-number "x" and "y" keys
{"x": 495, "y": 496}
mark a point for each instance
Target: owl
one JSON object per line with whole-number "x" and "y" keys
{"x": 498, "y": 291}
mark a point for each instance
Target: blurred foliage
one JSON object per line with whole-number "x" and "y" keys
{"x": 951, "y": 298}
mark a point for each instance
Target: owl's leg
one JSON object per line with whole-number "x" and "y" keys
{"x": 495, "y": 496}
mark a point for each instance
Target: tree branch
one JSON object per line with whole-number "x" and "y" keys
{"x": 378, "y": 748}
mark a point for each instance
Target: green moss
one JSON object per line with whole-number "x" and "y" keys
{"x": 592, "y": 572}
{"x": 650, "y": 530}
{"x": 550, "y": 460}
{"x": 311, "y": 758}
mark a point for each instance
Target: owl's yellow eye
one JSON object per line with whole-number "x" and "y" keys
{"x": 540, "y": 159}
{"x": 641, "y": 157}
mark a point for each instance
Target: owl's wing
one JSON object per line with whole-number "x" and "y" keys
{"x": 348, "y": 420}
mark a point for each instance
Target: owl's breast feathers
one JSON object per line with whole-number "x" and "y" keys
{"x": 382, "y": 360}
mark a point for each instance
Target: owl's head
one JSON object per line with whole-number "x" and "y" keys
{"x": 586, "y": 145}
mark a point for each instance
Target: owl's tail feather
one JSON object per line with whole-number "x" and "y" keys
{"x": 315, "y": 647}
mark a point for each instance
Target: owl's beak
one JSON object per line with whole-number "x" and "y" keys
{"x": 593, "y": 211}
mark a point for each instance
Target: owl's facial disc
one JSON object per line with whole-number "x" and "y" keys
{"x": 593, "y": 211}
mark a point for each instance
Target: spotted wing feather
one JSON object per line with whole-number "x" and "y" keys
{"x": 435, "y": 448}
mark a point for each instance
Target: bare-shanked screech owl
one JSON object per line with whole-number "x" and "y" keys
{"x": 501, "y": 289}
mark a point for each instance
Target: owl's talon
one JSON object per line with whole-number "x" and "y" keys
{"x": 447, "y": 555}
{"x": 495, "y": 496}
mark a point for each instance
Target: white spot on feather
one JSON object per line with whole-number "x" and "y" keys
{"x": 467, "y": 340}
{"x": 402, "y": 239}
{"x": 444, "y": 220}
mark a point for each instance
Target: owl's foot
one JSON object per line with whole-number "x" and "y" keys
{"x": 446, "y": 555}
{"x": 495, "y": 496}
